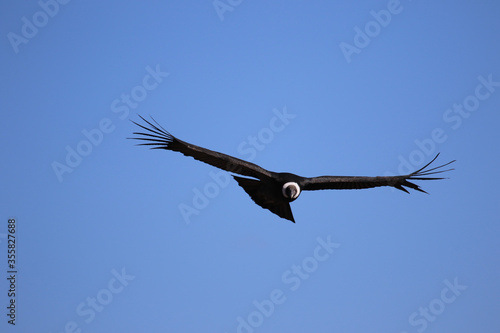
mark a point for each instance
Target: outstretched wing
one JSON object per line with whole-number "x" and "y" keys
{"x": 157, "y": 137}
{"x": 351, "y": 183}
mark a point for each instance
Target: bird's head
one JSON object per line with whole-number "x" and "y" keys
{"x": 291, "y": 190}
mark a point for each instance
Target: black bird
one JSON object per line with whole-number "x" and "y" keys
{"x": 275, "y": 190}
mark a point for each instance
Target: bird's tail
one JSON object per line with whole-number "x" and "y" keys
{"x": 265, "y": 197}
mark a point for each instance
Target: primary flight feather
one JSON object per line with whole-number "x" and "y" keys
{"x": 275, "y": 190}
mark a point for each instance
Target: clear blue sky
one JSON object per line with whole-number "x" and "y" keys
{"x": 311, "y": 87}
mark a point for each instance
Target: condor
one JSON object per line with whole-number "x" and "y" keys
{"x": 275, "y": 190}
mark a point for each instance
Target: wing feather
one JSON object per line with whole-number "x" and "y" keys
{"x": 158, "y": 138}
{"x": 399, "y": 182}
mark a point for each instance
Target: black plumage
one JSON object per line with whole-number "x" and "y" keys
{"x": 275, "y": 190}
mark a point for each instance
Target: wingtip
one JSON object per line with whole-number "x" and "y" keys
{"x": 400, "y": 187}
{"x": 423, "y": 191}
{"x": 423, "y": 174}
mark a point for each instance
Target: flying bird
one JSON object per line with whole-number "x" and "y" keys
{"x": 275, "y": 190}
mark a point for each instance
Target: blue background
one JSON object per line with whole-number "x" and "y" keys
{"x": 372, "y": 111}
